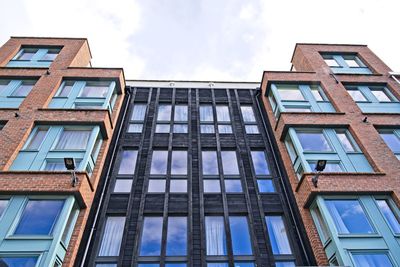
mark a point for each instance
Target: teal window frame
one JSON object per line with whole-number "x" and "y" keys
{"x": 38, "y": 59}
{"x": 396, "y": 134}
{"x": 371, "y": 103}
{"x": 349, "y": 161}
{"x": 384, "y": 252}
{"x": 309, "y": 103}
{"x": 7, "y": 97}
{"x": 36, "y": 159}
{"x": 48, "y": 248}
{"x": 343, "y": 67}
{"x": 342, "y": 245}
{"x": 73, "y": 100}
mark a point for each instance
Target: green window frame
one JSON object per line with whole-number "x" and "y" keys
{"x": 339, "y": 149}
{"x": 14, "y": 91}
{"x": 345, "y": 63}
{"x": 34, "y": 56}
{"x": 392, "y": 139}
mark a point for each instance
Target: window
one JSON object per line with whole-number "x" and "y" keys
{"x": 241, "y": 242}
{"x": 278, "y": 235}
{"x": 47, "y": 146}
{"x": 207, "y": 119}
{"x": 25, "y": 261}
{"x": 223, "y": 119}
{"x": 112, "y": 236}
{"x": 261, "y": 170}
{"x": 298, "y": 98}
{"x": 179, "y": 122}
{"x": 374, "y": 98}
{"x": 392, "y": 140}
{"x": 345, "y": 63}
{"x": 3, "y": 205}
{"x": 177, "y": 171}
{"x": 337, "y": 146}
{"x": 34, "y": 57}
{"x": 249, "y": 119}
{"x": 85, "y": 95}
{"x": 177, "y": 236}
{"x": 215, "y": 236}
{"x": 128, "y": 162}
{"x": 122, "y": 186}
{"x": 137, "y": 119}
{"x": 371, "y": 259}
{"x": 392, "y": 218}
{"x": 210, "y": 163}
{"x": 349, "y": 217}
{"x": 13, "y": 92}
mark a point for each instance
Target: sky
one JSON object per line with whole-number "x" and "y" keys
{"x": 208, "y": 40}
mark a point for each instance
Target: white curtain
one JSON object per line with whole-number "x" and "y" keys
{"x": 181, "y": 113}
{"x": 206, "y": 113}
{"x": 223, "y": 113}
{"x": 337, "y": 219}
{"x": 277, "y": 233}
{"x": 73, "y": 139}
{"x": 112, "y": 236}
{"x": 215, "y": 235}
{"x": 138, "y": 113}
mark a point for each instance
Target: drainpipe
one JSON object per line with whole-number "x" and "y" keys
{"x": 285, "y": 191}
{"x": 107, "y": 177}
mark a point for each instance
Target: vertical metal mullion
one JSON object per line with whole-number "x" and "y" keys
{"x": 189, "y": 181}
{"x": 222, "y": 184}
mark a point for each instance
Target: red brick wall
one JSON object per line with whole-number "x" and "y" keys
{"x": 311, "y": 68}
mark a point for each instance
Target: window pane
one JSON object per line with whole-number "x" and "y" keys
{"x": 135, "y": 128}
{"x": 178, "y": 186}
{"x": 179, "y": 162}
{"x": 233, "y": 186}
{"x": 164, "y": 113}
{"x": 260, "y": 163}
{"x": 349, "y": 217}
{"x": 206, "y": 113}
{"x": 313, "y": 141}
{"x": 95, "y": 89}
{"x": 252, "y": 129}
{"x": 207, "y": 129}
{"x": 224, "y": 129}
{"x": 128, "y": 162}
{"x": 315, "y": 90}
{"x": 215, "y": 235}
{"x": 139, "y": 112}
{"x": 352, "y": 63}
{"x": 159, "y": 162}
{"x": 163, "y": 128}
{"x": 122, "y": 186}
{"x": 175, "y": 265}
{"x": 151, "y": 236}
{"x": 357, "y": 95}
{"x": 290, "y": 93}
{"x": 391, "y": 141}
{"x": 177, "y": 236}
{"x": 244, "y": 264}
{"x": 211, "y": 186}
{"x": 285, "y": 264}
{"x": 3, "y": 85}
{"x": 37, "y": 139}
{"x": 18, "y": 261}
{"x": 39, "y": 217}
{"x": 210, "y": 163}
{"x": 156, "y": 186}
{"x": 372, "y": 260}
{"x": 248, "y": 114}
{"x": 56, "y": 166}
{"x": 265, "y": 186}
{"x": 181, "y": 113}
{"x": 324, "y": 231}
{"x": 381, "y": 95}
{"x": 346, "y": 143}
{"x": 331, "y": 62}
{"x": 390, "y": 216}
{"x": 241, "y": 243}
{"x": 24, "y": 88}
{"x": 66, "y": 89}
{"x": 149, "y": 265}
{"x": 330, "y": 167}
{"x": 217, "y": 264}
{"x": 27, "y": 54}
{"x": 223, "y": 114}
{"x": 180, "y": 128}
{"x": 229, "y": 163}
{"x": 3, "y": 205}
{"x": 297, "y": 109}
{"x": 112, "y": 236}
{"x": 73, "y": 139}
{"x": 106, "y": 265}
{"x": 277, "y": 235}
{"x": 50, "y": 55}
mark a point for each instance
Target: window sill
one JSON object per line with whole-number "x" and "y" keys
{"x": 73, "y": 109}
{"x": 314, "y": 112}
{"x": 374, "y": 235}
{"x": 29, "y": 237}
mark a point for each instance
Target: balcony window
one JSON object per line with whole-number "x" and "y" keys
{"x": 392, "y": 140}
{"x": 35, "y": 57}
{"x": 13, "y": 92}
{"x": 374, "y": 98}
{"x": 85, "y": 95}
{"x": 345, "y": 63}
{"x": 337, "y": 146}
{"x": 298, "y": 98}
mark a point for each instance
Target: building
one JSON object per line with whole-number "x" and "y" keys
{"x": 193, "y": 180}
{"x": 340, "y": 103}
{"x": 53, "y": 105}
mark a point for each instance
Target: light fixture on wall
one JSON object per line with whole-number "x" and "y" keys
{"x": 321, "y": 164}
{"x": 70, "y": 165}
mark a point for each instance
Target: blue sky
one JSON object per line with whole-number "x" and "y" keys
{"x": 205, "y": 39}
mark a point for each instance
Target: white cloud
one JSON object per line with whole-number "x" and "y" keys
{"x": 205, "y": 39}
